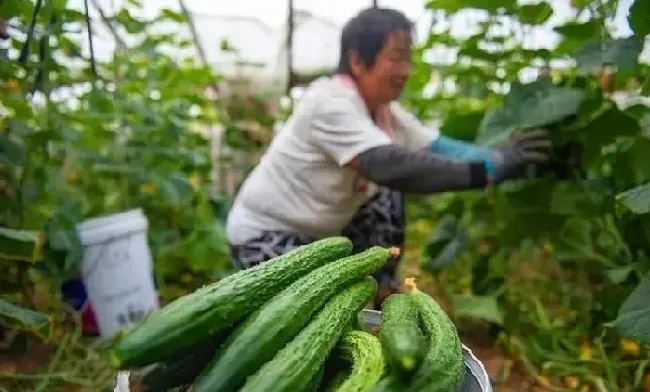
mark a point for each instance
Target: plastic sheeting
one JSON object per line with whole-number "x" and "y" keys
{"x": 257, "y": 30}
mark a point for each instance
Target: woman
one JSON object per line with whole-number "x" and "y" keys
{"x": 349, "y": 152}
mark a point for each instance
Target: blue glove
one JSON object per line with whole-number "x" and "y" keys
{"x": 503, "y": 161}
{"x": 458, "y": 150}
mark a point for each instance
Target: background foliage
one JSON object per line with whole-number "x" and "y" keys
{"x": 547, "y": 262}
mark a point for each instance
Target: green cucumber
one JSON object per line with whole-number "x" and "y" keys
{"x": 183, "y": 366}
{"x": 316, "y": 381}
{"x": 402, "y": 340}
{"x": 443, "y": 367}
{"x": 363, "y": 352}
{"x": 295, "y": 365}
{"x": 215, "y": 307}
{"x": 391, "y": 383}
{"x": 269, "y": 328}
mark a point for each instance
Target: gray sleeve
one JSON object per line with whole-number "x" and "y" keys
{"x": 408, "y": 171}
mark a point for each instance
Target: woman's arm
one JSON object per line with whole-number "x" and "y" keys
{"x": 409, "y": 171}
{"x": 423, "y": 137}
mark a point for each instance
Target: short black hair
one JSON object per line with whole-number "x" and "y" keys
{"x": 367, "y": 32}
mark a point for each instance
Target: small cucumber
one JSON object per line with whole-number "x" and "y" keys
{"x": 443, "y": 367}
{"x": 362, "y": 351}
{"x": 391, "y": 383}
{"x": 403, "y": 342}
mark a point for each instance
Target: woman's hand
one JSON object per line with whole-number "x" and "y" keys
{"x": 524, "y": 148}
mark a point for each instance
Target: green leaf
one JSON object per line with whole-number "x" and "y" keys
{"x": 445, "y": 245}
{"x": 11, "y": 8}
{"x": 639, "y": 18}
{"x": 575, "y": 240}
{"x": 173, "y": 15}
{"x": 637, "y": 199}
{"x": 574, "y": 35}
{"x": 632, "y": 166}
{"x": 570, "y": 199}
{"x": 479, "y": 307}
{"x": 532, "y": 105}
{"x": 535, "y": 13}
{"x": 21, "y": 245}
{"x": 12, "y": 152}
{"x": 131, "y": 24}
{"x": 453, "y": 6}
{"x": 633, "y": 319}
{"x": 462, "y": 126}
{"x": 37, "y": 323}
{"x": 64, "y": 250}
{"x": 620, "y": 274}
{"x": 622, "y": 53}
{"x": 605, "y": 129}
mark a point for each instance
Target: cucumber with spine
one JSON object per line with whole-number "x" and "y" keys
{"x": 268, "y": 329}
{"x": 391, "y": 383}
{"x": 403, "y": 342}
{"x": 294, "y": 366}
{"x": 183, "y": 366}
{"x": 443, "y": 367}
{"x": 363, "y": 352}
{"x": 215, "y": 307}
{"x": 316, "y": 381}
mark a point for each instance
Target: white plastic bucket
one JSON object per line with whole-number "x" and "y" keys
{"x": 117, "y": 269}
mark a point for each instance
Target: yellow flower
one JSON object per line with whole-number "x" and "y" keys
{"x": 548, "y": 248}
{"x": 72, "y": 176}
{"x": 571, "y": 382}
{"x": 11, "y": 85}
{"x": 586, "y": 351}
{"x": 629, "y": 347}
{"x": 148, "y": 188}
{"x": 195, "y": 180}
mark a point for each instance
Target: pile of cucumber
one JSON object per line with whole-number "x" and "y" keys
{"x": 291, "y": 325}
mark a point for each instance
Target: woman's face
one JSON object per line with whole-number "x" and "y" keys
{"x": 384, "y": 81}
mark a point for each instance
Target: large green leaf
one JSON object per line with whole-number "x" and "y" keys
{"x": 633, "y": 318}
{"x": 639, "y": 18}
{"x": 605, "y": 129}
{"x": 11, "y": 8}
{"x": 445, "y": 245}
{"x": 575, "y": 240}
{"x": 575, "y": 34}
{"x": 479, "y": 307}
{"x": 21, "y": 245}
{"x": 462, "y": 126}
{"x": 637, "y": 199}
{"x": 26, "y": 319}
{"x": 535, "y": 13}
{"x": 622, "y": 53}
{"x": 532, "y": 105}
{"x": 632, "y": 163}
{"x": 12, "y": 151}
